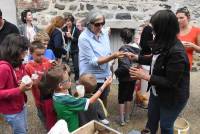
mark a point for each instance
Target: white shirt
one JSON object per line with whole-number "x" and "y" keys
{"x": 152, "y": 67}
{"x": 30, "y": 33}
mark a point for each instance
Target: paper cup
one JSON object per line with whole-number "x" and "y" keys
{"x": 26, "y": 79}
{"x": 80, "y": 90}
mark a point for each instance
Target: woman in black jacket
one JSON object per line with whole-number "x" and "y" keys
{"x": 71, "y": 39}
{"x": 56, "y": 42}
{"x": 169, "y": 76}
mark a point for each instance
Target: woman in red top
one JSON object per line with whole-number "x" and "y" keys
{"x": 189, "y": 35}
{"x": 12, "y": 97}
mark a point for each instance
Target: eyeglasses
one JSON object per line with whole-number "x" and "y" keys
{"x": 65, "y": 81}
{"x": 99, "y": 24}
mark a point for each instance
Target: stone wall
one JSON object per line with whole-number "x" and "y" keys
{"x": 119, "y": 13}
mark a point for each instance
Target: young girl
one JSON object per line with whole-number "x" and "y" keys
{"x": 36, "y": 69}
{"x": 67, "y": 106}
{"x": 126, "y": 85}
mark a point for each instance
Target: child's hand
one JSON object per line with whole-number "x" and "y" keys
{"x": 53, "y": 62}
{"x": 108, "y": 81}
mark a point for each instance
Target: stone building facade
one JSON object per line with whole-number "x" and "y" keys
{"x": 119, "y": 13}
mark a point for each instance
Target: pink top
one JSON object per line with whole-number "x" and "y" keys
{"x": 11, "y": 98}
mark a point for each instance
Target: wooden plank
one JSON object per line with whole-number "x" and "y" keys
{"x": 94, "y": 127}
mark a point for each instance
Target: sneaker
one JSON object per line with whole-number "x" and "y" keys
{"x": 122, "y": 123}
{"x": 145, "y": 131}
{"x": 105, "y": 122}
{"x": 127, "y": 118}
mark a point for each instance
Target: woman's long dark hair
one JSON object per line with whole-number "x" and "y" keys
{"x": 165, "y": 27}
{"x": 12, "y": 47}
{"x": 24, "y": 15}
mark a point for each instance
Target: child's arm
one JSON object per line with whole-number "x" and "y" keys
{"x": 101, "y": 89}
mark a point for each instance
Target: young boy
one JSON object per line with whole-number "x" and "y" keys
{"x": 43, "y": 37}
{"x": 126, "y": 84}
{"x": 67, "y": 106}
{"x": 96, "y": 111}
{"x": 35, "y": 69}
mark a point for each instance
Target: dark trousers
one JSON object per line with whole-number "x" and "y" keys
{"x": 75, "y": 65}
{"x": 166, "y": 115}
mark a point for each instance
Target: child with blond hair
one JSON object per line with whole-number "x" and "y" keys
{"x": 97, "y": 110}
{"x": 43, "y": 37}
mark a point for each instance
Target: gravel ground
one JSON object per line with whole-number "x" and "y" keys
{"x": 138, "y": 119}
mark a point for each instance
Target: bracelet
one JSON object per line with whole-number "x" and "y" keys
{"x": 101, "y": 90}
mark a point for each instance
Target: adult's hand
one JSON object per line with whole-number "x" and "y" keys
{"x": 131, "y": 56}
{"x": 118, "y": 54}
{"x": 138, "y": 73}
{"x": 187, "y": 44}
{"x": 25, "y": 87}
{"x": 69, "y": 35}
{"x": 191, "y": 45}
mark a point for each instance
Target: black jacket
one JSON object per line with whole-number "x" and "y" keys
{"x": 56, "y": 39}
{"x": 171, "y": 75}
{"x": 146, "y": 38}
{"x": 124, "y": 64}
{"x": 74, "y": 41}
{"x": 7, "y": 28}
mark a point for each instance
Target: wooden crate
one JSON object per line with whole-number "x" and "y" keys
{"x": 94, "y": 127}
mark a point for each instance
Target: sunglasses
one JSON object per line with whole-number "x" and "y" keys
{"x": 99, "y": 24}
{"x": 184, "y": 10}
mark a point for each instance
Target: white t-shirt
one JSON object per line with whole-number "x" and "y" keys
{"x": 152, "y": 67}
{"x": 30, "y": 33}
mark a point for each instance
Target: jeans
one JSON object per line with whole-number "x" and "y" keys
{"x": 18, "y": 121}
{"x": 166, "y": 115}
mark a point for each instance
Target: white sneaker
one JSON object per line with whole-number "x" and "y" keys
{"x": 105, "y": 122}
{"x": 127, "y": 118}
{"x": 122, "y": 123}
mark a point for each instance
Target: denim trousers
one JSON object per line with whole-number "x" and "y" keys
{"x": 165, "y": 115}
{"x": 18, "y": 121}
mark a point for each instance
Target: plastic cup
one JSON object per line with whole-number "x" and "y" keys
{"x": 26, "y": 79}
{"x": 135, "y": 65}
{"x": 80, "y": 90}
